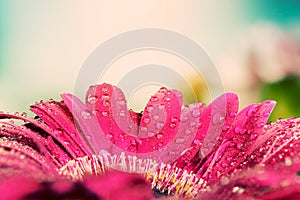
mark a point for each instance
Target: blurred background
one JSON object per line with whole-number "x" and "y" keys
{"x": 255, "y": 45}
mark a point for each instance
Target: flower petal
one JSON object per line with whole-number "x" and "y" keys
{"x": 248, "y": 124}
{"x": 57, "y": 116}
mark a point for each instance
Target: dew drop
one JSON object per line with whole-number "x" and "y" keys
{"x": 105, "y": 89}
{"x": 88, "y": 137}
{"x": 109, "y": 136}
{"x": 154, "y": 99}
{"x": 218, "y": 118}
{"x": 196, "y": 112}
{"x": 192, "y": 124}
{"x": 172, "y": 153}
{"x": 122, "y": 113}
{"x": 224, "y": 164}
{"x": 232, "y": 114}
{"x": 185, "y": 109}
{"x": 104, "y": 113}
{"x": 133, "y": 142}
{"x": 143, "y": 129}
{"x": 121, "y": 102}
{"x": 163, "y": 90}
{"x": 229, "y": 158}
{"x": 184, "y": 118}
{"x": 225, "y": 127}
{"x": 159, "y": 125}
{"x": 260, "y": 125}
{"x": 151, "y": 134}
{"x": 172, "y": 125}
{"x": 160, "y": 107}
{"x": 197, "y": 142}
{"x": 92, "y": 99}
{"x": 159, "y": 136}
{"x": 167, "y": 99}
{"x": 187, "y": 132}
{"x": 239, "y": 130}
{"x": 24, "y": 114}
{"x": 239, "y": 146}
{"x": 253, "y": 136}
{"x": 150, "y": 108}
{"x": 86, "y": 114}
{"x": 156, "y": 117}
{"x": 266, "y": 114}
{"x": 174, "y": 119}
{"x": 146, "y": 120}
{"x": 58, "y": 132}
{"x": 179, "y": 140}
{"x": 106, "y": 103}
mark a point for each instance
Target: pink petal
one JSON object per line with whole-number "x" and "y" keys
{"x": 58, "y": 117}
{"x": 214, "y": 123}
{"x": 247, "y": 126}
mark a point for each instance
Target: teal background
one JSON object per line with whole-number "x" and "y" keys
{"x": 282, "y": 12}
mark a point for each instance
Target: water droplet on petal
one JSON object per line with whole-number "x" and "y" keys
{"x": 133, "y": 142}
{"x": 225, "y": 127}
{"x": 187, "y": 132}
{"x": 104, "y": 113}
{"x": 253, "y": 136}
{"x": 151, "y": 134}
{"x": 192, "y": 124}
{"x": 239, "y": 145}
{"x": 179, "y": 140}
{"x": 160, "y": 107}
{"x": 184, "y": 118}
{"x": 92, "y": 99}
{"x": 196, "y": 112}
{"x": 172, "y": 153}
{"x": 185, "y": 109}
{"x": 58, "y": 132}
{"x": 86, "y": 114}
{"x": 174, "y": 119}
{"x": 24, "y": 114}
{"x": 146, "y": 120}
{"x": 197, "y": 142}
{"x": 259, "y": 125}
{"x": 172, "y": 125}
{"x": 232, "y": 114}
{"x": 218, "y": 118}
{"x": 266, "y": 114}
{"x": 122, "y": 113}
{"x": 109, "y": 136}
{"x": 143, "y": 129}
{"x": 105, "y": 89}
{"x": 159, "y": 135}
{"x": 167, "y": 99}
{"x": 239, "y": 130}
{"x": 154, "y": 99}
{"x": 106, "y": 103}
{"x": 156, "y": 117}
{"x": 121, "y": 102}
{"x": 150, "y": 108}
{"x": 105, "y": 97}
{"x": 159, "y": 125}
{"x": 163, "y": 90}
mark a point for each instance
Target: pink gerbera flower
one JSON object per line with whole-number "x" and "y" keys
{"x": 179, "y": 151}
